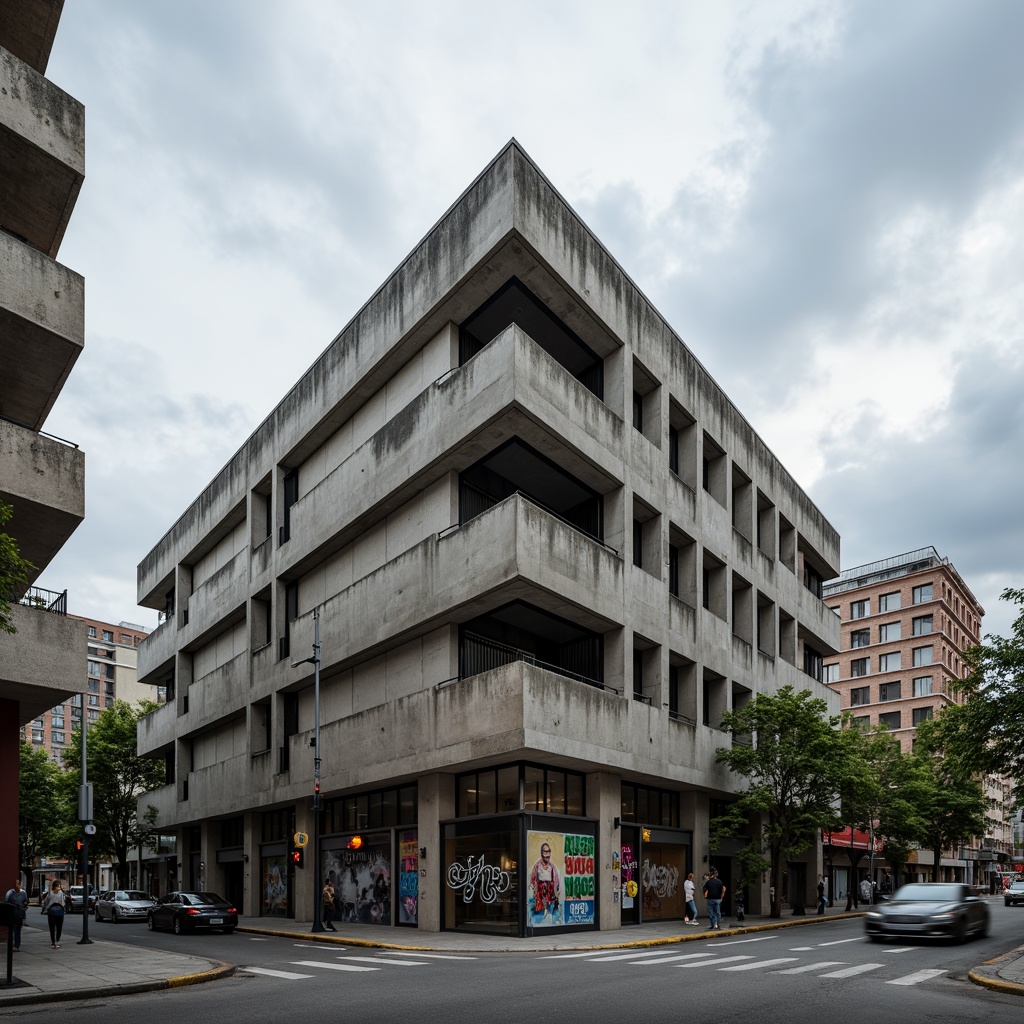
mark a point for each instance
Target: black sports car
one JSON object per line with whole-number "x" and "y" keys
{"x": 188, "y": 911}
{"x": 929, "y": 910}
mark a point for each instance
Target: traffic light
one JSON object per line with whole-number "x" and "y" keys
{"x": 298, "y": 856}
{"x": 78, "y": 845}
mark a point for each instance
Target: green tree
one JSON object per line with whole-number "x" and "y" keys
{"x": 43, "y": 813}
{"x": 14, "y": 571}
{"x": 795, "y": 760}
{"x": 986, "y": 731}
{"x": 118, "y": 777}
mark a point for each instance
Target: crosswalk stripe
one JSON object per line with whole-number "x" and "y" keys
{"x": 849, "y": 972}
{"x": 332, "y": 967}
{"x": 375, "y": 960}
{"x": 716, "y": 961}
{"x": 604, "y": 959}
{"x": 900, "y": 949}
{"x": 916, "y": 978}
{"x": 840, "y": 942}
{"x": 288, "y": 975}
{"x": 431, "y": 956}
{"x": 761, "y": 963}
{"x": 811, "y": 967}
{"x": 678, "y": 956}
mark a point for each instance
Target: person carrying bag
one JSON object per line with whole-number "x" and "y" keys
{"x": 56, "y": 904}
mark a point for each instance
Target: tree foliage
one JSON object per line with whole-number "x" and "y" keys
{"x": 795, "y": 760}
{"x": 118, "y": 777}
{"x": 14, "y": 571}
{"x": 43, "y": 812}
{"x": 986, "y": 731}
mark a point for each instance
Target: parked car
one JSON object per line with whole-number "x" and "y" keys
{"x": 929, "y": 910}
{"x": 77, "y": 903}
{"x": 1013, "y": 894}
{"x": 123, "y": 905}
{"x": 187, "y": 911}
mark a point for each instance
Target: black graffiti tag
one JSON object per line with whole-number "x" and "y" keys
{"x": 469, "y": 877}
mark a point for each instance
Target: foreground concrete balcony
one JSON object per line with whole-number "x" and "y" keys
{"x": 42, "y": 330}
{"x": 27, "y": 29}
{"x": 44, "y": 481}
{"x": 41, "y": 664}
{"x": 42, "y": 155}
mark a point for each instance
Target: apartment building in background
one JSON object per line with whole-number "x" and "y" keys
{"x": 42, "y": 333}
{"x": 905, "y": 624}
{"x": 543, "y": 553}
{"x": 109, "y": 672}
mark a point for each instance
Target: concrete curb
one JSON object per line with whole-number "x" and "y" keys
{"x": 987, "y": 974}
{"x": 222, "y": 970}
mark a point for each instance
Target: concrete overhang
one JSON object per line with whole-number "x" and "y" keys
{"x": 42, "y": 155}
{"x": 27, "y": 29}
{"x": 43, "y": 480}
{"x": 42, "y": 330}
{"x": 41, "y": 664}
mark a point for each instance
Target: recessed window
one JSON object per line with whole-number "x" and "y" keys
{"x": 92, "y": 632}
{"x": 889, "y": 691}
{"x": 108, "y": 636}
{"x": 860, "y": 638}
{"x": 860, "y": 695}
{"x": 862, "y": 722}
{"x": 889, "y": 602}
{"x": 831, "y": 673}
{"x": 889, "y": 662}
{"x": 922, "y": 686}
{"x": 859, "y": 666}
{"x": 922, "y": 656}
{"x": 922, "y": 593}
{"x": 922, "y": 625}
{"x": 920, "y": 715}
{"x": 891, "y": 720}
{"x": 860, "y": 609}
{"x": 889, "y": 632}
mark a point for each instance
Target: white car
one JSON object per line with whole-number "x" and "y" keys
{"x": 123, "y": 905}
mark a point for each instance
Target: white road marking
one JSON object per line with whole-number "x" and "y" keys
{"x": 332, "y": 967}
{"x": 374, "y": 960}
{"x": 678, "y": 956}
{"x": 571, "y": 956}
{"x": 899, "y": 949}
{"x": 740, "y": 942}
{"x": 849, "y": 972}
{"x": 636, "y": 953}
{"x": 757, "y": 964}
{"x": 916, "y": 978}
{"x": 716, "y": 961}
{"x": 812, "y": 967}
{"x": 839, "y": 942}
{"x": 317, "y": 945}
{"x": 288, "y": 975}
{"x": 800, "y": 949}
{"x": 432, "y": 956}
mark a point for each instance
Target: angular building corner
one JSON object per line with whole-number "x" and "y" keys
{"x": 546, "y": 553}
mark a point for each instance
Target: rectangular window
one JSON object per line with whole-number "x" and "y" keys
{"x": 831, "y": 673}
{"x": 92, "y": 632}
{"x": 673, "y": 570}
{"x": 891, "y": 720}
{"x": 860, "y": 609}
{"x": 638, "y": 543}
{"x": 58, "y": 737}
{"x": 919, "y": 715}
{"x": 638, "y": 411}
{"x": 862, "y": 722}
{"x": 108, "y": 636}
{"x": 922, "y": 655}
{"x": 859, "y": 667}
{"x": 922, "y": 686}
{"x": 94, "y": 686}
{"x": 94, "y": 668}
{"x": 673, "y": 449}
{"x": 922, "y": 593}
{"x": 889, "y": 633}
{"x": 860, "y": 638}
{"x": 922, "y": 625}
{"x": 860, "y": 695}
{"x": 889, "y": 602}
{"x": 889, "y": 662}
{"x": 94, "y": 702}
{"x": 889, "y": 691}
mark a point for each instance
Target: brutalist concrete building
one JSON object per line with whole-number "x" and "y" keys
{"x": 42, "y": 333}
{"x": 544, "y": 553}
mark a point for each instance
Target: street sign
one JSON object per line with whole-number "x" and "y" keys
{"x": 300, "y": 839}
{"x": 90, "y": 829}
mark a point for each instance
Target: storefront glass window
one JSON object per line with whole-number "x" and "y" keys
{"x": 275, "y": 887}
{"x": 362, "y": 879}
{"x": 408, "y": 877}
{"x": 481, "y": 885}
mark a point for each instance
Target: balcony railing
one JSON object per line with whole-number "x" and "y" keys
{"x": 45, "y": 600}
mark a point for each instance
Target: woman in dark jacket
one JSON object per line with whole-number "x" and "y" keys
{"x": 54, "y": 907}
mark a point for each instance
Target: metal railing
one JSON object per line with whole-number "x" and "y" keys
{"x": 478, "y": 654}
{"x": 45, "y": 600}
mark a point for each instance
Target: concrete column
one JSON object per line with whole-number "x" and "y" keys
{"x": 306, "y": 883}
{"x": 604, "y": 802}
{"x": 436, "y": 803}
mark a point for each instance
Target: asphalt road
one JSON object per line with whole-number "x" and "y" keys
{"x": 824, "y": 973}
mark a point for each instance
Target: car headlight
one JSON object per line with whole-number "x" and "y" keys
{"x": 874, "y": 915}
{"x": 943, "y": 917}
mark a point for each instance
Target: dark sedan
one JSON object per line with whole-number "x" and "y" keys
{"x": 933, "y": 910}
{"x": 188, "y": 911}
{"x": 1013, "y": 894}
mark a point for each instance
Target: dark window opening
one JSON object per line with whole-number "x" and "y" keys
{"x": 291, "y": 496}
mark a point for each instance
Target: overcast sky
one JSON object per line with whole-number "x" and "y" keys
{"x": 824, "y": 199}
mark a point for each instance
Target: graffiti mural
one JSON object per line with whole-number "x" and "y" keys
{"x": 362, "y": 882}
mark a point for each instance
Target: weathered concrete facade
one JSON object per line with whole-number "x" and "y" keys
{"x": 42, "y": 332}
{"x": 539, "y": 539}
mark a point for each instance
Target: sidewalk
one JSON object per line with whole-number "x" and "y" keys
{"x": 107, "y": 968}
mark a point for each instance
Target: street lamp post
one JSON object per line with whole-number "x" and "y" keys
{"x": 85, "y": 817}
{"x": 315, "y": 744}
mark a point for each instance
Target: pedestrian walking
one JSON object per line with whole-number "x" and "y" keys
{"x": 714, "y": 892}
{"x": 690, "y": 893}
{"x": 54, "y": 907}
{"x": 865, "y": 890}
{"x": 821, "y": 896}
{"x": 327, "y": 904}
{"x": 19, "y": 898}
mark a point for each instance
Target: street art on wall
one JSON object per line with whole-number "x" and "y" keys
{"x": 560, "y": 887}
{"x": 362, "y": 882}
{"x": 408, "y": 877}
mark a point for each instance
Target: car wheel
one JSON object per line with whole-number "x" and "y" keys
{"x": 150, "y": 923}
{"x": 874, "y": 938}
{"x": 113, "y": 916}
{"x": 228, "y": 931}
{"x": 177, "y": 926}
{"x": 983, "y": 928}
{"x": 960, "y": 931}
